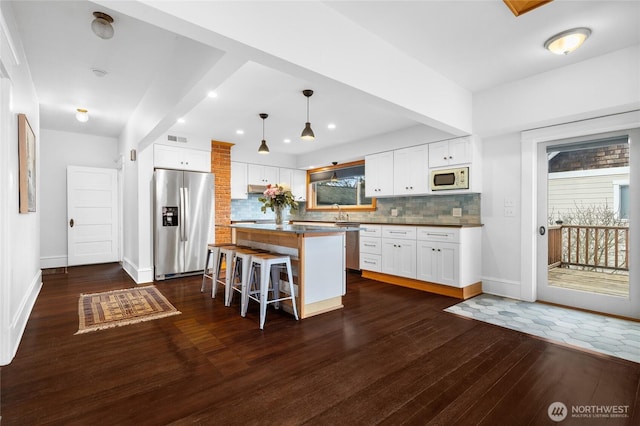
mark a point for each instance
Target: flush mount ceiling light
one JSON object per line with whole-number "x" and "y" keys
{"x": 307, "y": 133}
{"x": 82, "y": 115}
{"x": 264, "y": 149}
{"x": 101, "y": 26}
{"x": 567, "y": 41}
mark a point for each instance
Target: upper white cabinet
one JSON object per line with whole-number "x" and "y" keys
{"x": 262, "y": 175}
{"x": 299, "y": 185}
{"x": 238, "y": 181}
{"x": 378, "y": 174}
{"x": 171, "y": 157}
{"x": 451, "y": 152}
{"x": 410, "y": 171}
{"x": 297, "y": 181}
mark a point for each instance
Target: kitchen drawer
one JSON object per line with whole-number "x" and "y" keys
{"x": 449, "y": 235}
{"x": 370, "y": 262}
{"x": 399, "y": 232}
{"x": 370, "y": 245}
{"x": 371, "y": 231}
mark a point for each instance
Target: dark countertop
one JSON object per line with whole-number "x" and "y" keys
{"x": 364, "y": 223}
{"x": 294, "y": 229}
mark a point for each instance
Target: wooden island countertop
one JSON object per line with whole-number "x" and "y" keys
{"x": 317, "y": 256}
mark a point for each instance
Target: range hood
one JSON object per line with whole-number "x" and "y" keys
{"x": 256, "y": 189}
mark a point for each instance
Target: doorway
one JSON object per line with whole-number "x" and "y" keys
{"x": 583, "y": 251}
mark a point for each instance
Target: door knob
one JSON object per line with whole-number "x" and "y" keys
{"x": 71, "y": 222}
{"x": 542, "y": 230}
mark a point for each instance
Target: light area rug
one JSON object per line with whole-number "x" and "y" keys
{"x": 99, "y": 311}
{"x": 570, "y": 327}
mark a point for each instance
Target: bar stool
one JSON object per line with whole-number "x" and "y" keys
{"x": 213, "y": 251}
{"x": 269, "y": 265}
{"x": 226, "y": 252}
{"x": 241, "y": 266}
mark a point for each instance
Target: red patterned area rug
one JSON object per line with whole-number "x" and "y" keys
{"x": 99, "y": 311}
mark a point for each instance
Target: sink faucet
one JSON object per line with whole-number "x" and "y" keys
{"x": 340, "y": 215}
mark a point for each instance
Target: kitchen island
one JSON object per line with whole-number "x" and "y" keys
{"x": 317, "y": 256}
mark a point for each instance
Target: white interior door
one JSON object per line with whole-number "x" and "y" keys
{"x": 92, "y": 215}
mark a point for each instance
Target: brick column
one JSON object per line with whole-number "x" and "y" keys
{"x": 221, "y": 167}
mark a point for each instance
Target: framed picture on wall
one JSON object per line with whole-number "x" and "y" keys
{"x": 27, "y": 166}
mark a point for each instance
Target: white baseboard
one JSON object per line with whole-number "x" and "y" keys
{"x": 502, "y": 288}
{"x": 19, "y": 321}
{"x": 140, "y": 276}
{"x": 47, "y": 262}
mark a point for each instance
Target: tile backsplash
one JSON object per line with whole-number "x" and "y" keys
{"x": 430, "y": 209}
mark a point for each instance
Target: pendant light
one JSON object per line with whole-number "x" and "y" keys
{"x": 334, "y": 176}
{"x": 264, "y": 149}
{"x": 307, "y": 133}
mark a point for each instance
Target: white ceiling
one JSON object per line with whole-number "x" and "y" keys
{"x": 477, "y": 44}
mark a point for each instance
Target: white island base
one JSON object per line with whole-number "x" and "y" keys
{"x": 317, "y": 256}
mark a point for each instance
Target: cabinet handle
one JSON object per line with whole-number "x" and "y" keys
{"x": 450, "y": 157}
{"x": 438, "y": 249}
{"x": 436, "y": 235}
{"x": 369, "y": 262}
{"x": 369, "y": 245}
{"x": 398, "y": 232}
{"x": 444, "y": 158}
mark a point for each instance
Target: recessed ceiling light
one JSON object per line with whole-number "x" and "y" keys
{"x": 331, "y": 126}
{"x": 239, "y": 132}
{"x": 287, "y": 141}
{"x": 567, "y": 41}
{"x": 212, "y": 94}
{"x": 181, "y": 120}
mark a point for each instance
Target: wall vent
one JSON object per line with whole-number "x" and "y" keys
{"x": 172, "y": 138}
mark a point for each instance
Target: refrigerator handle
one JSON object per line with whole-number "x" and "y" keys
{"x": 186, "y": 215}
{"x": 181, "y": 214}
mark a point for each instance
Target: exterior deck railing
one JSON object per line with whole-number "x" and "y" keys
{"x": 605, "y": 247}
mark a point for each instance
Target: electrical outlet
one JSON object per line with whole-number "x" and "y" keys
{"x": 509, "y": 211}
{"x": 394, "y": 212}
{"x": 456, "y": 212}
{"x": 509, "y": 202}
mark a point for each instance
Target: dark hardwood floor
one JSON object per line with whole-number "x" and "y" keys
{"x": 391, "y": 356}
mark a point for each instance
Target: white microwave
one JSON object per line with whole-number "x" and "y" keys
{"x": 448, "y": 179}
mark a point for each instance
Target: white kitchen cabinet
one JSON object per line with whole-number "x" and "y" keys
{"x": 299, "y": 185}
{"x": 438, "y": 262}
{"x": 449, "y": 256}
{"x": 370, "y": 247}
{"x": 378, "y": 173}
{"x": 297, "y": 181}
{"x": 179, "y": 158}
{"x": 451, "y": 152}
{"x": 399, "y": 257}
{"x": 259, "y": 174}
{"x": 411, "y": 171}
{"x": 399, "y": 251}
{"x": 239, "y": 181}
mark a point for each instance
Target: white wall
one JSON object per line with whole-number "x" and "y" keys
{"x": 501, "y": 234}
{"x": 20, "y": 276}
{"x": 589, "y": 89}
{"x": 62, "y": 149}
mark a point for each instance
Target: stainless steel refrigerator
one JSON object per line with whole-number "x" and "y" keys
{"x": 183, "y": 219}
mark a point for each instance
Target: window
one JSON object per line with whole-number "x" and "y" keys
{"x": 343, "y": 185}
{"x": 623, "y": 212}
